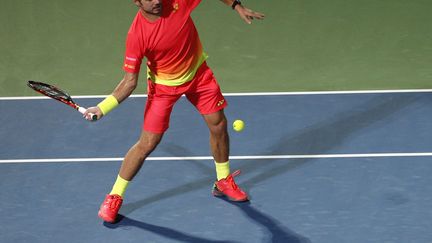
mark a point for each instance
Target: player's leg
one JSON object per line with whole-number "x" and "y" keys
{"x": 136, "y": 155}
{"x": 206, "y": 96}
{"x": 131, "y": 164}
{"x": 219, "y": 138}
{"x": 156, "y": 120}
{"x": 219, "y": 144}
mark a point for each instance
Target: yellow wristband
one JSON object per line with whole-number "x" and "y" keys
{"x": 108, "y": 104}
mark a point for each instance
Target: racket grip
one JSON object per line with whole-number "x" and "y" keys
{"x": 82, "y": 110}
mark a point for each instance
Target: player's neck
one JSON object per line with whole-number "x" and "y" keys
{"x": 150, "y": 16}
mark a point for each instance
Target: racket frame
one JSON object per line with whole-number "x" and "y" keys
{"x": 68, "y": 100}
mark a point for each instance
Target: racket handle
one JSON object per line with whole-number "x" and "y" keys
{"x": 82, "y": 110}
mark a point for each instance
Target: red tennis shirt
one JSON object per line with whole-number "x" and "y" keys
{"x": 171, "y": 44}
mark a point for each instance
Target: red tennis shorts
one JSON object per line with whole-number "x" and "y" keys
{"x": 202, "y": 91}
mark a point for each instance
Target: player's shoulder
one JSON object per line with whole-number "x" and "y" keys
{"x": 137, "y": 24}
{"x": 179, "y": 6}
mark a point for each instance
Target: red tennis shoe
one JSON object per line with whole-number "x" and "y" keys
{"x": 228, "y": 188}
{"x": 109, "y": 209}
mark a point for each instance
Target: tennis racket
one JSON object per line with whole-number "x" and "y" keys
{"x": 57, "y": 94}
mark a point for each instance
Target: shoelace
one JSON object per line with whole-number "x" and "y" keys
{"x": 114, "y": 202}
{"x": 230, "y": 179}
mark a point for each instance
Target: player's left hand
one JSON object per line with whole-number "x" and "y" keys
{"x": 247, "y": 14}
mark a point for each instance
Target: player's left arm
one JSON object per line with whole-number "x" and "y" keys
{"x": 245, "y": 13}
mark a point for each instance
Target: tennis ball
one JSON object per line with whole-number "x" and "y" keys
{"x": 238, "y": 125}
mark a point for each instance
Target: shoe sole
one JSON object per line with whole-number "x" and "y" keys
{"x": 105, "y": 218}
{"x": 218, "y": 193}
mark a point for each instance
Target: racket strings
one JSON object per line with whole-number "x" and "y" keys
{"x": 51, "y": 91}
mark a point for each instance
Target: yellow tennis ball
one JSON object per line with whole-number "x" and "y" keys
{"x": 238, "y": 125}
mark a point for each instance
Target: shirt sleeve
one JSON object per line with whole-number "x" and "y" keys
{"x": 134, "y": 53}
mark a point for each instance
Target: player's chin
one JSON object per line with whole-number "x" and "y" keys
{"x": 157, "y": 10}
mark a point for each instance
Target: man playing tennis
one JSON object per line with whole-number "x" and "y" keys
{"x": 165, "y": 34}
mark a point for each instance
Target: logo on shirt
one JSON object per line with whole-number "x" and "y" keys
{"x": 175, "y": 7}
{"x": 129, "y": 66}
{"x": 131, "y": 59}
{"x": 221, "y": 102}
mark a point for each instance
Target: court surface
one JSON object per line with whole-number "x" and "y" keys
{"x": 320, "y": 167}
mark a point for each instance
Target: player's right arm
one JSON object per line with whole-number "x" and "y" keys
{"x": 123, "y": 90}
{"x": 126, "y": 86}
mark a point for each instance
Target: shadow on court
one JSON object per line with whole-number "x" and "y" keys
{"x": 188, "y": 187}
{"x": 276, "y": 232}
{"x": 323, "y": 137}
{"x": 124, "y": 221}
{"x": 175, "y": 149}
{"x": 317, "y": 139}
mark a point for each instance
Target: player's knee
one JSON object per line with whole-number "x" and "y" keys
{"x": 145, "y": 148}
{"x": 148, "y": 143}
{"x": 219, "y": 127}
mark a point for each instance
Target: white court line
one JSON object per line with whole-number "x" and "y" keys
{"x": 255, "y": 157}
{"x": 248, "y": 94}
{"x": 263, "y": 157}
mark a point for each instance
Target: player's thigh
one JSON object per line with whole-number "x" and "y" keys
{"x": 206, "y": 95}
{"x": 160, "y": 102}
{"x": 215, "y": 118}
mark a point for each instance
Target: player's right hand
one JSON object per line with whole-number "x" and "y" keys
{"x": 93, "y": 110}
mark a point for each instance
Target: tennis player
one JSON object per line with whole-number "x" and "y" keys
{"x": 165, "y": 34}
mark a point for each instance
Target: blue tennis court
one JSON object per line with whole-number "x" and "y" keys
{"x": 319, "y": 167}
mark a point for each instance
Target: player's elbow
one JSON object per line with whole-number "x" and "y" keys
{"x": 132, "y": 85}
{"x": 131, "y": 81}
